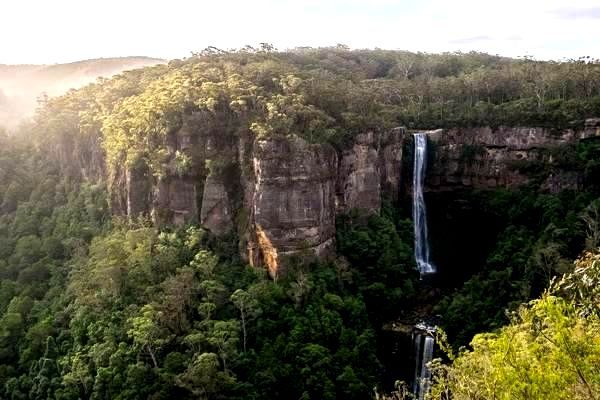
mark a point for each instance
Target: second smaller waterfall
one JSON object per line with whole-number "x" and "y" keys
{"x": 424, "y": 343}
{"x": 419, "y": 212}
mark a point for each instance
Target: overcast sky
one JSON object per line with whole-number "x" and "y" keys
{"x": 52, "y": 31}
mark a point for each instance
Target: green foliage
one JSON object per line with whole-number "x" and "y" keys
{"x": 91, "y": 310}
{"x": 536, "y": 236}
{"x": 326, "y": 94}
{"x": 381, "y": 261}
{"x": 580, "y": 287}
{"x": 550, "y": 350}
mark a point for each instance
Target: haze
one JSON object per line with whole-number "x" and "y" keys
{"x": 22, "y": 85}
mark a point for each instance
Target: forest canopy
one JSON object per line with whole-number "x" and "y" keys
{"x": 326, "y": 94}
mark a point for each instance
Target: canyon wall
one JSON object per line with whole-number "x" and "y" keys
{"x": 298, "y": 188}
{"x": 281, "y": 194}
{"x": 487, "y": 158}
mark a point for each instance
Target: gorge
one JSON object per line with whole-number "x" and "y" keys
{"x": 293, "y": 190}
{"x": 256, "y": 224}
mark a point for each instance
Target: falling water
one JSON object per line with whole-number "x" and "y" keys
{"x": 417, "y": 339}
{"x": 424, "y": 343}
{"x": 425, "y": 376}
{"x": 419, "y": 211}
{"x": 423, "y": 333}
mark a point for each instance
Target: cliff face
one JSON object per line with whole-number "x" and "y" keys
{"x": 294, "y": 198}
{"x": 486, "y": 158}
{"x": 370, "y": 170}
{"x": 281, "y": 194}
{"x": 298, "y": 188}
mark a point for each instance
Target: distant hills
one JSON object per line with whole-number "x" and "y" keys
{"x": 22, "y": 85}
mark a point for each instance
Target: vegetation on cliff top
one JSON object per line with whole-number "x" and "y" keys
{"x": 321, "y": 94}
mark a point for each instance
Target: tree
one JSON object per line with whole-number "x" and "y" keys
{"x": 146, "y": 332}
{"x": 550, "y": 350}
{"x": 79, "y": 373}
{"x": 203, "y": 377}
{"x": 581, "y": 285}
{"x": 247, "y": 305}
{"x": 178, "y": 295}
{"x": 224, "y": 336}
{"x": 591, "y": 218}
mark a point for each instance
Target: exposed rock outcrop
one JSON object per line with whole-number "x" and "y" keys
{"x": 294, "y": 198}
{"x": 175, "y": 201}
{"x": 488, "y": 158}
{"x": 138, "y": 190}
{"x": 390, "y": 164}
{"x": 215, "y": 214}
{"x": 370, "y": 170}
{"x": 359, "y": 175}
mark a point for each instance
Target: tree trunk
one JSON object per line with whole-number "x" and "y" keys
{"x": 152, "y": 356}
{"x": 244, "y": 329}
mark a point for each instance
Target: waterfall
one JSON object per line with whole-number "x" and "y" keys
{"x": 419, "y": 211}
{"x": 424, "y": 343}
{"x": 423, "y": 334}
{"x": 417, "y": 339}
{"x": 425, "y": 376}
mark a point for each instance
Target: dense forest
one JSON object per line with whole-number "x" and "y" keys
{"x": 98, "y": 306}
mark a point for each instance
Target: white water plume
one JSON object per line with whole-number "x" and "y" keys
{"x": 419, "y": 211}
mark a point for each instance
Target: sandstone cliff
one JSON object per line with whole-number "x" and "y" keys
{"x": 298, "y": 188}
{"x": 486, "y": 158}
{"x": 281, "y": 194}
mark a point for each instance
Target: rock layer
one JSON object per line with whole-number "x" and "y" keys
{"x": 370, "y": 171}
{"x": 281, "y": 194}
{"x": 487, "y": 158}
{"x": 294, "y": 198}
{"x": 215, "y": 214}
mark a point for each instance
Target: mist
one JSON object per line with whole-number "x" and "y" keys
{"x": 21, "y": 86}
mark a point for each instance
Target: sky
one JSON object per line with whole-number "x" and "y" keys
{"x": 56, "y": 31}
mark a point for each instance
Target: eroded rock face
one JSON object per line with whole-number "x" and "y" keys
{"x": 175, "y": 194}
{"x": 487, "y": 158}
{"x": 138, "y": 191}
{"x": 370, "y": 171}
{"x": 215, "y": 214}
{"x": 281, "y": 194}
{"x": 359, "y": 175}
{"x": 293, "y": 201}
{"x": 175, "y": 202}
{"x": 390, "y": 162}
{"x": 185, "y": 192}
